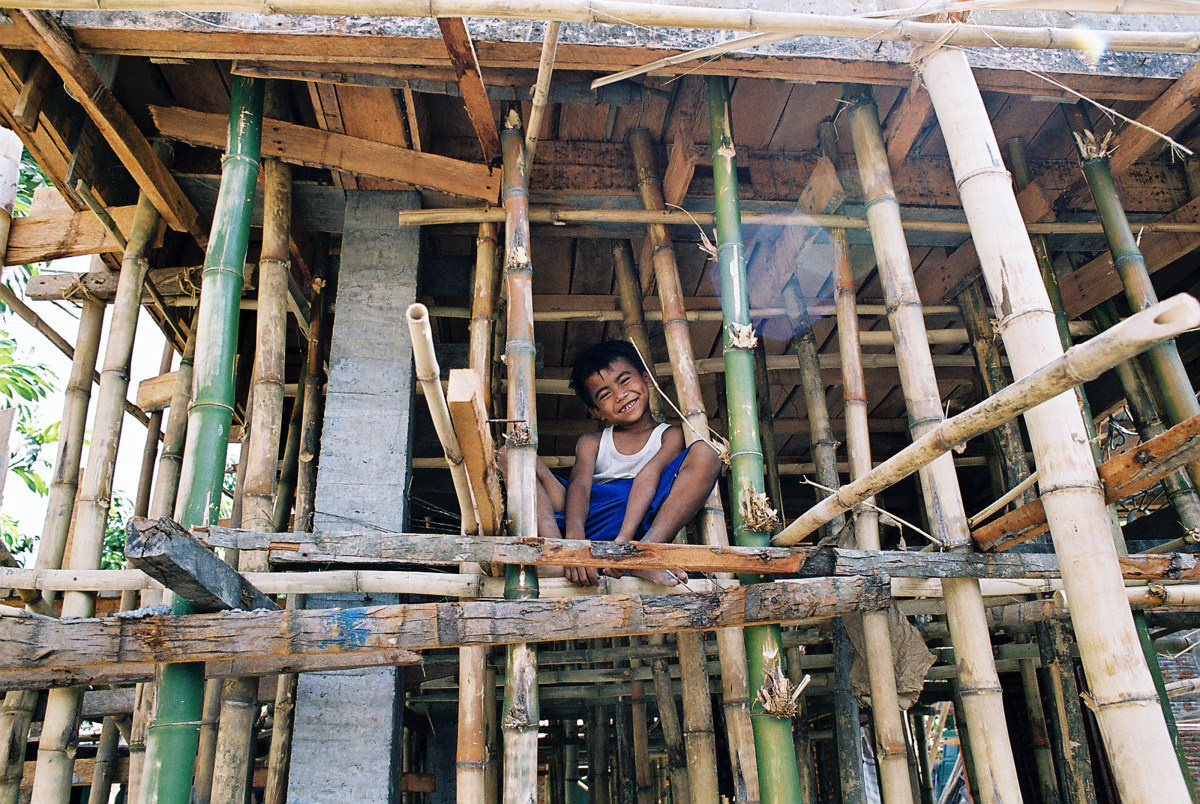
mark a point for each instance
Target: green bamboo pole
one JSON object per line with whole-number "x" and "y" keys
{"x": 779, "y": 780}
{"x": 766, "y": 426}
{"x": 171, "y": 747}
{"x": 520, "y": 712}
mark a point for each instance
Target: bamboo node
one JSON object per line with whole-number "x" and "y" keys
{"x": 756, "y": 510}
{"x": 517, "y": 718}
{"x": 778, "y": 696}
{"x": 741, "y": 336}
{"x": 518, "y": 259}
{"x": 521, "y": 435}
{"x": 1092, "y": 148}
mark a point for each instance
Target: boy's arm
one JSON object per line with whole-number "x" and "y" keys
{"x": 645, "y": 484}
{"x": 579, "y": 495}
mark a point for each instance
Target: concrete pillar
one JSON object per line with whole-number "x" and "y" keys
{"x": 346, "y": 742}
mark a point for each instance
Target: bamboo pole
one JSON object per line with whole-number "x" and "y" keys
{"x": 483, "y": 302}
{"x": 994, "y": 765}
{"x": 891, "y": 749}
{"x": 766, "y": 426}
{"x": 239, "y": 701}
{"x": 735, "y": 684}
{"x": 1063, "y": 693}
{"x": 105, "y": 764}
{"x": 56, "y": 748}
{"x": 668, "y": 718}
{"x": 641, "y": 732}
{"x": 805, "y": 764}
{"x": 633, "y": 315}
{"x": 289, "y": 465}
{"x": 541, "y": 88}
{"x": 141, "y": 500}
{"x": 1039, "y": 736}
{"x": 520, "y": 720}
{"x": 171, "y": 746}
{"x": 598, "y": 770}
{"x": 626, "y": 781}
{"x": 705, "y": 18}
{"x": 776, "y": 754}
{"x": 1132, "y": 725}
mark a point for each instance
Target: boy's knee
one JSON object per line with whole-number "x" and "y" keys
{"x": 704, "y": 460}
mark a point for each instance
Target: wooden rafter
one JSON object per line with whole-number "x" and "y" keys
{"x": 111, "y": 119}
{"x": 904, "y": 123}
{"x": 470, "y": 80}
{"x": 1165, "y": 114}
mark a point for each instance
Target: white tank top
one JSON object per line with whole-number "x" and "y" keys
{"x": 614, "y": 465}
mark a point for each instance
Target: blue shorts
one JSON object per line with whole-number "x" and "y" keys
{"x": 606, "y": 508}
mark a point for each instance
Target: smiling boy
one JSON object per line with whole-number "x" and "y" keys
{"x": 633, "y": 480}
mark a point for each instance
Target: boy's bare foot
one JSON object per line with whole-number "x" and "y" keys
{"x": 661, "y": 577}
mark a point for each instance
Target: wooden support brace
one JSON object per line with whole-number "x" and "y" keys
{"x": 470, "y": 81}
{"x": 468, "y": 412}
{"x": 173, "y": 557}
{"x": 38, "y": 82}
{"x": 41, "y": 237}
{"x": 1165, "y": 114}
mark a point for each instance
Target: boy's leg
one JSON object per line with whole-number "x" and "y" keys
{"x": 551, "y": 498}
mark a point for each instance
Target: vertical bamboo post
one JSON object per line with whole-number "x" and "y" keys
{"x": 171, "y": 747}
{"x": 641, "y": 730}
{"x": 1131, "y": 723}
{"x": 141, "y": 501}
{"x": 1039, "y": 737}
{"x": 995, "y": 767}
{"x": 775, "y": 751}
{"x": 56, "y": 749}
{"x": 239, "y": 700}
{"x": 571, "y": 789}
{"x": 1076, "y": 775}
{"x": 483, "y": 303}
{"x": 598, "y": 763}
{"x": 491, "y": 774}
{"x": 766, "y": 426}
{"x": 633, "y": 314}
{"x": 520, "y": 720}
{"x": 732, "y": 652}
{"x": 921, "y": 738}
{"x": 668, "y": 718}
{"x": 801, "y": 732}
{"x": 626, "y": 781}
{"x": 289, "y": 465}
{"x": 105, "y": 763}
{"x": 1007, "y": 437}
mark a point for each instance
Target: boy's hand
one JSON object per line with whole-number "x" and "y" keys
{"x": 582, "y": 576}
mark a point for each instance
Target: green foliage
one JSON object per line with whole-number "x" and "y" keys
{"x": 19, "y": 545}
{"x": 23, "y": 386}
{"x": 113, "y": 554}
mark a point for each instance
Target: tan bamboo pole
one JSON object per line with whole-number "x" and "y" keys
{"x": 735, "y": 681}
{"x": 520, "y": 712}
{"x": 1127, "y": 709}
{"x": 239, "y": 698}
{"x": 541, "y": 88}
{"x": 105, "y": 762}
{"x": 56, "y": 749}
{"x": 994, "y": 766}
{"x": 475, "y": 697}
{"x": 890, "y": 746}
{"x": 17, "y": 713}
{"x": 598, "y": 758}
{"x": 641, "y": 730}
{"x": 766, "y": 427}
{"x": 633, "y": 315}
{"x": 1054, "y": 647}
{"x": 141, "y": 500}
{"x": 1039, "y": 735}
{"x": 668, "y": 718}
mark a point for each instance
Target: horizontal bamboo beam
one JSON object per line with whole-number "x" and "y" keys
{"x": 1080, "y": 363}
{"x": 786, "y": 468}
{"x": 606, "y": 12}
{"x": 559, "y": 216}
{"x": 173, "y": 557}
{"x": 41, "y": 644}
{"x": 1122, "y": 476}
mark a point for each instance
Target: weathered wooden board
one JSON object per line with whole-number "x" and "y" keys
{"x": 301, "y": 145}
{"x": 63, "y": 233}
{"x": 173, "y": 557}
{"x": 101, "y": 284}
{"x": 76, "y": 645}
{"x": 464, "y": 398}
{"x": 1165, "y": 114}
{"x": 470, "y": 81}
{"x": 155, "y": 393}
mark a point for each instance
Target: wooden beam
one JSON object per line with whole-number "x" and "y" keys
{"x": 173, "y": 557}
{"x": 39, "y": 80}
{"x": 904, "y": 123}
{"x": 79, "y": 645}
{"x": 112, "y": 120}
{"x": 101, "y": 283}
{"x": 1169, "y": 111}
{"x": 470, "y": 81}
{"x": 301, "y": 145}
{"x": 155, "y": 393}
{"x": 1126, "y": 474}
{"x": 84, "y": 770}
{"x": 469, "y": 415}
{"x": 54, "y": 235}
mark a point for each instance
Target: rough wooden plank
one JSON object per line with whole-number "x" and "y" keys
{"x": 112, "y": 120}
{"x": 301, "y": 145}
{"x": 470, "y": 81}
{"x": 468, "y": 412}
{"x": 155, "y": 393}
{"x": 101, "y": 284}
{"x": 1165, "y": 114}
{"x": 904, "y": 123}
{"x": 1126, "y": 474}
{"x": 51, "y": 236}
{"x": 84, "y": 770}
{"x": 39, "y": 80}
{"x": 173, "y": 557}
{"x": 46, "y": 644}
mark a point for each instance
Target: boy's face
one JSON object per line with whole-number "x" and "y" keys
{"x": 620, "y": 393}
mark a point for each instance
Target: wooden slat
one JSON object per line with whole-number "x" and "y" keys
{"x": 470, "y": 81}
{"x": 468, "y": 412}
{"x": 59, "y": 234}
{"x": 84, "y": 769}
{"x": 155, "y": 393}
{"x": 1165, "y": 114}
{"x": 80, "y": 645}
{"x": 101, "y": 284}
{"x": 904, "y": 123}
{"x": 38, "y": 82}
{"x": 111, "y": 119}
{"x": 301, "y": 145}
{"x": 173, "y": 557}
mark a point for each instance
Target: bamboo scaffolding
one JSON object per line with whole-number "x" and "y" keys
{"x": 734, "y": 670}
{"x": 1058, "y": 668}
{"x": 766, "y": 426}
{"x": 520, "y": 720}
{"x": 598, "y": 765}
{"x": 775, "y": 751}
{"x": 994, "y": 765}
{"x": 626, "y": 781}
{"x": 703, "y": 18}
{"x": 289, "y": 465}
{"x": 17, "y": 714}
{"x": 171, "y": 747}
{"x": 559, "y": 216}
{"x": 141, "y": 499}
{"x": 668, "y": 718}
{"x": 541, "y": 88}
{"x": 239, "y": 698}
{"x": 56, "y": 747}
{"x": 885, "y": 705}
{"x": 641, "y": 733}
{"x": 1134, "y": 731}
{"x": 633, "y": 315}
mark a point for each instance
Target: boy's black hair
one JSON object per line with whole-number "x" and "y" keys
{"x": 595, "y": 359}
